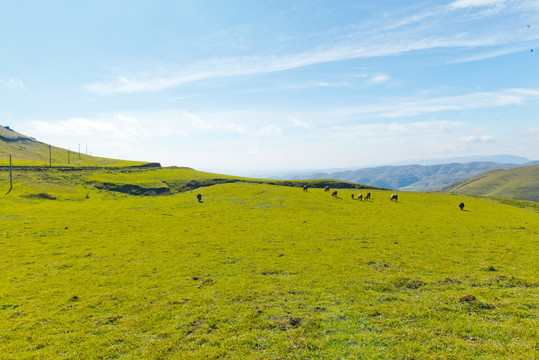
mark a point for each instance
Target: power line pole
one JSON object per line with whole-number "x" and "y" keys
{"x": 10, "y": 176}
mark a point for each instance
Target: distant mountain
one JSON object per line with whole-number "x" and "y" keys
{"x": 412, "y": 177}
{"x": 309, "y": 173}
{"x": 520, "y": 183}
{"x": 500, "y": 158}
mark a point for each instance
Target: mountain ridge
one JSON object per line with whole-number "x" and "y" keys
{"x": 413, "y": 177}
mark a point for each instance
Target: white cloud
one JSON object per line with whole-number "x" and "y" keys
{"x": 532, "y": 130}
{"x": 413, "y": 129}
{"x": 16, "y": 83}
{"x": 420, "y": 106}
{"x": 13, "y": 83}
{"x": 400, "y": 128}
{"x": 269, "y": 130}
{"x": 76, "y": 126}
{"x": 380, "y": 78}
{"x": 478, "y": 139}
{"x": 323, "y": 84}
{"x": 299, "y": 123}
{"x": 476, "y": 3}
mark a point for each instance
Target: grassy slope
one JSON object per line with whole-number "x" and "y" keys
{"x": 26, "y": 151}
{"x": 264, "y": 272}
{"x": 62, "y": 182}
{"x": 182, "y": 179}
{"x": 521, "y": 183}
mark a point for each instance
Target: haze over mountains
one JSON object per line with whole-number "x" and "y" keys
{"x": 420, "y": 176}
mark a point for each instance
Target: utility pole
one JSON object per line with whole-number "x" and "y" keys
{"x": 10, "y": 176}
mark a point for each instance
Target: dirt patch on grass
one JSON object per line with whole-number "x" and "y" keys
{"x": 408, "y": 283}
{"x": 467, "y": 298}
{"x": 131, "y": 189}
{"x": 40, "y": 196}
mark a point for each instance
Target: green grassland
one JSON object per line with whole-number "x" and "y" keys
{"x": 520, "y": 183}
{"x": 258, "y": 270}
{"x": 27, "y": 151}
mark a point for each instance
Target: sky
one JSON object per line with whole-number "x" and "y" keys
{"x": 239, "y": 87}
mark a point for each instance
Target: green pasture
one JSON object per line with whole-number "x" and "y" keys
{"x": 261, "y": 271}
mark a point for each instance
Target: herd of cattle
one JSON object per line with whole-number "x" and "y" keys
{"x": 393, "y": 197}
{"x": 360, "y": 197}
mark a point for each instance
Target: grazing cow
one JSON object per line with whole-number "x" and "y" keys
{"x": 334, "y": 193}
{"x": 326, "y": 188}
{"x": 353, "y": 196}
{"x": 461, "y": 206}
{"x": 305, "y": 188}
{"x": 394, "y": 197}
{"x": 199, "y": 197}
{"x": 367, "y": 196}
{"x": 360, "y": 197}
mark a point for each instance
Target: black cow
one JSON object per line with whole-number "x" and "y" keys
{"x": 394, "y": 197}
{"x": 461, "y": 206}
{"x": 199, "y": 197}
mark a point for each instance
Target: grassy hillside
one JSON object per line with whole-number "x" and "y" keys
{"x": 521, "y": 183}
{"x": 134, "y": 180}
{"x": 260, "y": 271}
{"x": 27, "y": 151}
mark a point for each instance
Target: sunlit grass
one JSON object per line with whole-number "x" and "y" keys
{"x": 264, "y": 272}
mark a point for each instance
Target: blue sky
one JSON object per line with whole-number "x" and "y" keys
{"x": 244, "y": 86}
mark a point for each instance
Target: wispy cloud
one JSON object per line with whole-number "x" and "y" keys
{"x": 418, "y": 32}
{"x": 419, "y": 106}
{"x": 380, "y": 78}
{"x": 231, "y": 67}
{"x": 299, "y": 123}
{"x": 420, "y": 128}
{"x": 476, "y": 3}
{"x": 13, "y": 83}
{"x": 141, "y": 126}
{"x": 532, "y": 130}
{"x": 478, "y": 139}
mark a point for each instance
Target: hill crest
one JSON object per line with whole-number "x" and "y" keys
{"x": 27, "y": 151}
{"x": 521, "y": 183}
